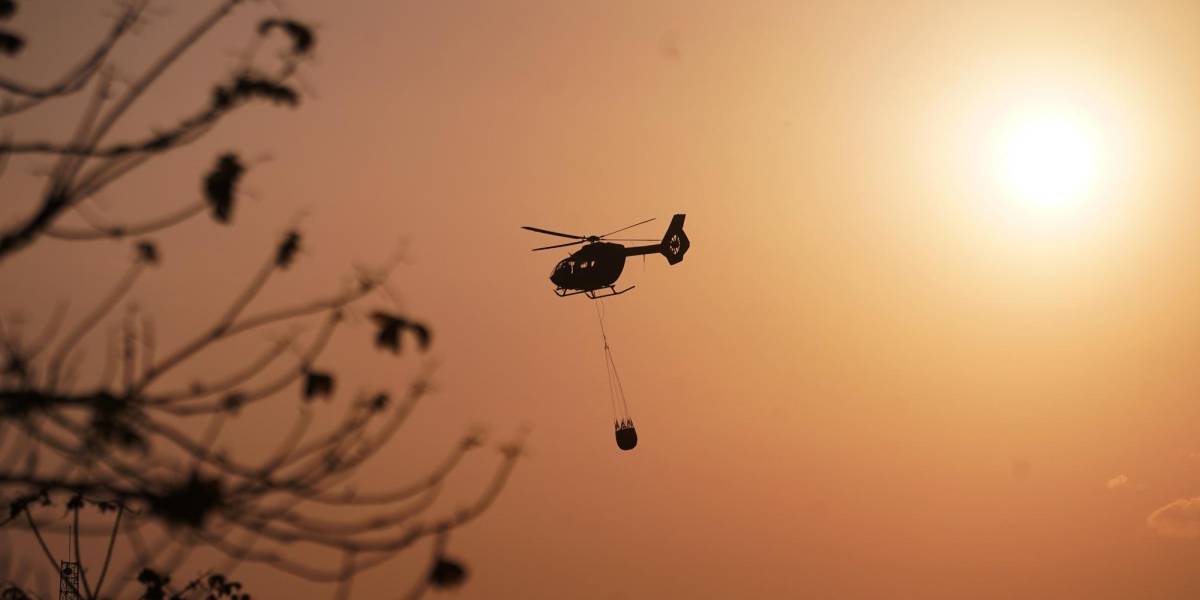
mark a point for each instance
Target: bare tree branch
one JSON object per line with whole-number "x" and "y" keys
{"x": 137, "y": 229}
{"x": 91, "y": 320}
{"x": 75, "y": 79}
{"x": 112, "y": 540}
{"x": 156, "y": 477}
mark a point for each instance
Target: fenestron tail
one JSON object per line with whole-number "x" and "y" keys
{"x": 675, "y": 242}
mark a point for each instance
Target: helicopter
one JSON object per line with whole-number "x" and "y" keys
{"x": 593, "y": 270}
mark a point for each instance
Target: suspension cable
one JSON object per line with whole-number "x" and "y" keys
{"x": 610, "y": 370}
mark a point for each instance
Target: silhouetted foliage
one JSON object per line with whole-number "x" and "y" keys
{"x": 12, "y": 592}
{"x": 189, "y": 502}
{"x": 379, "y": 402}
{"x": 287, "y": 250}
{"x": 130, "y": 450}
{"x": 20, "y": 504}
{"x": 233, "y": 401}
{"x": 390, "y": 326}
{"x": 213, "y": 587}
{"x": 148, "y": 252}
{"x": 301, "y": 34}
{"x": 248, "y": 86}
{"x": 219, "y": 587}
{"x": 11, "y": 43}
{"x": 447, "y": 573}
{"x": 317, "y": 385}
{"x": 220, "y": 186}
{"x": 155, "y": 584}
{"x": 112, "y": 424}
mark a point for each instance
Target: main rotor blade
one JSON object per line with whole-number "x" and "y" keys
{"x": 557, "y": 246}
{"x": 624, "y": 228}
{"x": 548, "y": 232}
{"x": 631, "y": 240}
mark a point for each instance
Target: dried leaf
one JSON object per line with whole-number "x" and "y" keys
{"x": 447, "y": 573}
{"x": 390, "y": 327}
{"x": 287, "y": 250}
{"x": 147, "y": 252}
{"x": 220, "y": 186}
{"x": 302, "y": 35}
{"x": 379, "y": 402}
{"x": 10, "y": 43}
{"x": 317, "y": 384}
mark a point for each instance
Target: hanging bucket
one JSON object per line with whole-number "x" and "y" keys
{"x": 626, "y": 436}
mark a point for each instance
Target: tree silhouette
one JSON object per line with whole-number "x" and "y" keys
{"x": 132, "y": 460}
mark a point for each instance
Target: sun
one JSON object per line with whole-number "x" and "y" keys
{"x": 1048, "y": 162}
{"x": 1054, "y": 163}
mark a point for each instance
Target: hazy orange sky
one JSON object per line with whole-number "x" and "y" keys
{"x": 875, "y": 375}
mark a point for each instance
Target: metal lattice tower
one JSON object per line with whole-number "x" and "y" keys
{"x": 68, "y": 581}
{"x": 68, "y": 573}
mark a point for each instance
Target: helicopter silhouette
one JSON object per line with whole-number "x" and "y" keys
{"x": 596, "y": 266}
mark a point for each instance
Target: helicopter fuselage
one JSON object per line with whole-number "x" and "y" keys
{"x": 594, "y": 267}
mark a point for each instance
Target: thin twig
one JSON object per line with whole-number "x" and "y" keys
{"x": 75, "y": 79}
{"x": 78, "y": 554}
{"x": 91, "y": 320}
{"x": 119, "y": 231}
{"x": 112, "y": 538}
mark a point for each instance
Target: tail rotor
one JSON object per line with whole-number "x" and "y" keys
{"x": 675, "y": 242}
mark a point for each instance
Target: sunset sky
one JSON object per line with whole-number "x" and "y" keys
{"x": 936, "y": 335}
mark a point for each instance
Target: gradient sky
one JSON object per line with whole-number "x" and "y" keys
{"x": 873, "y": 376}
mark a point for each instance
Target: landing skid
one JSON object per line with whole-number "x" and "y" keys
{"x": 612, "y": 291}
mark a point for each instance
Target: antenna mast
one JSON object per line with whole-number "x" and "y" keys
{"x": 68, "y": 571}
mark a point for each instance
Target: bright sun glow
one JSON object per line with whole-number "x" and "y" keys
{"x": 1048, "y": 163}
{"x": 1049, "y": 160}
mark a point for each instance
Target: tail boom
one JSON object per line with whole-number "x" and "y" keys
{"x": 674, "y": 244}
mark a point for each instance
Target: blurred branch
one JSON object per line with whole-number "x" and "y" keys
{"x": 75, "y": 79}
{"x": 157, "y": 477}
{"x": 91, "y": 320}
{"x": 68, "y": 184}
{"x": 112, "y": 540}
{"x": 137, "y": 229}
{"x": 379, "y": 549}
